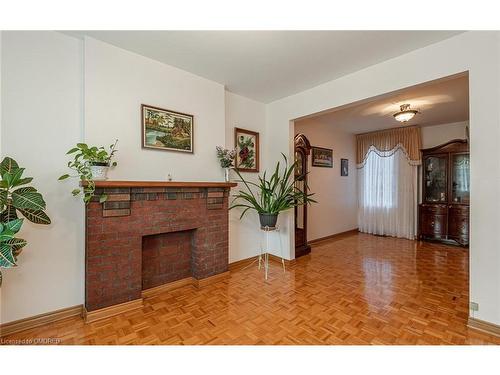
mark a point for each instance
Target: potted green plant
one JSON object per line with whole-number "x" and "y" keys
{"x": 90, "y": 163}
{"x": 274, "y": 195}
{"x": 16, "y": 198}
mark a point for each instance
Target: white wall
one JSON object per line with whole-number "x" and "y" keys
{"x": 41, "y": 120}
{"x": 244, "y": 235}
{"x": 476, "y": 52}
{"x": 117, "y": 82}
{"x": 337, "y": 207}
{"x": 438, "y": 134}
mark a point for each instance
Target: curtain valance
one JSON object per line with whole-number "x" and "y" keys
{"x": 408, "y": 138}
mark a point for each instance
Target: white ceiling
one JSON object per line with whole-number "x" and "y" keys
{"x": 268, "y": 65}
{"x": 440, "y": 102}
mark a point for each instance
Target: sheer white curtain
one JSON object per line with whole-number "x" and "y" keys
{"x": 388, "y": 194}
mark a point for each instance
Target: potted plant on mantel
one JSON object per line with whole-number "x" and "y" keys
{"x": 90, "y": 164}
{"x": 274, "y": 195}
{"x": 16, "y": 197}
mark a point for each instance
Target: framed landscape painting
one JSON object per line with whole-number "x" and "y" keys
{"x": 167, "y": 130}
{"x": 322, "y": 157}
{"x": 247, "y": 150}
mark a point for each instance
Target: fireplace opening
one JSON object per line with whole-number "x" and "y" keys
{"x": 166, "y": 257}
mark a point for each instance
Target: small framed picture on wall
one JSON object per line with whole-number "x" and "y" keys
{"x": 344, "y": 167}
{"x": 246, "y": 143}
{"x": 322, "y": 157}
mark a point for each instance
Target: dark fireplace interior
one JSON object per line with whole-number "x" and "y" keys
{"x": 166, "y": 257}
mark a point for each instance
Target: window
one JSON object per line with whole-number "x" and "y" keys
{"x": 379, "y": 180}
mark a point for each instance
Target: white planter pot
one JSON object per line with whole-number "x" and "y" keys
{"x": 99, "y": 172}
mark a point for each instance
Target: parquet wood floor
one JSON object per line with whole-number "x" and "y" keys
{"x": 358, "y": 289}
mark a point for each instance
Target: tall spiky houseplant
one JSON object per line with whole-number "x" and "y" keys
{"x": 272, "y": 196}
{"x": 16, "y": 198}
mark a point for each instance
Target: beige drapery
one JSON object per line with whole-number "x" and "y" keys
{"x": 385, "y": 142}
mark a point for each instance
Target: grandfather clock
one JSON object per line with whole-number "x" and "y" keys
{"x": 302, "y": 151}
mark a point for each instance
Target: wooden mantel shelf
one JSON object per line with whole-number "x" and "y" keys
{"x": 119, "y": 184}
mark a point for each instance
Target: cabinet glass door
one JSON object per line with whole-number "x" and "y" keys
{"x": 460, "y": 186}
{"x": 435, "y": 168}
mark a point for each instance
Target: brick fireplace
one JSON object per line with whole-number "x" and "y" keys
{"x": 152, "y": 233}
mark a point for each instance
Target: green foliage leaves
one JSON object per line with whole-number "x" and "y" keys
{"x": 24, "y": 199}
{"x": 16, "y": 244}
{"x": 93, "y": 154}
{"x": 15, "y": 197}
{"x": 9, "y": 213}
{"x": 28, "y": 200}
{"x": 74, "y": 149}
{"x": 7, "y": 165}
{"x": 3, "y": 197}
{"x": 276, "y": 194}
{"x": 84, "y": 157}
{"x": 7, "y": 259}
{"x": 14, "y": 226}
{"x": 14, "y": 178}
{"x": 35, "y": 216}
{"x": 10, "y": 247}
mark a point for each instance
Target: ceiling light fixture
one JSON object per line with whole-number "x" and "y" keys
{"x": 405, "y": 113}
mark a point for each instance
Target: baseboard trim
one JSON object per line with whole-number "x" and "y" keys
{"x": 211, "y": 279}
{"x": 334, "y": 236}
{"x": 106, "y": 312}
{"x": 275, "y": 258}
{"x": 151, "y": 292}
{"x": 483, "y": 326}
{"x": 239, "y": 264}
{"x": 39, "y": 320}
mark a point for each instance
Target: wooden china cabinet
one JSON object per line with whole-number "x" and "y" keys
{"x": 444, "y": 211}
{"x": 302, "y": 151}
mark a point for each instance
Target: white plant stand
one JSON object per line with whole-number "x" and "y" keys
{"x": 264, "y": 253}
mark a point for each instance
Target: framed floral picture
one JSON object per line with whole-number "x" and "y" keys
{"x": 167, "y": 130}
{"x": 322, "y": 157}
{"x": 246, "y": 143}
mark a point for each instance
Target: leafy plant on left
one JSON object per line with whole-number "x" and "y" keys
{"x": 84, "y": 157}
{"x": 16, "y": 198}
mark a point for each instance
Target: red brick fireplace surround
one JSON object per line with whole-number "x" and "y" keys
{"x": 148, "y": 234}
